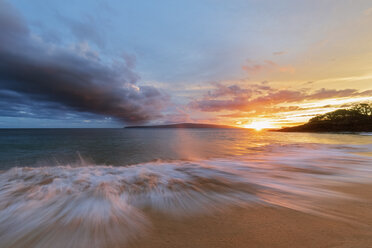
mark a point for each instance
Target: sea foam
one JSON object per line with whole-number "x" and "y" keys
{"x": 105, "y": 206}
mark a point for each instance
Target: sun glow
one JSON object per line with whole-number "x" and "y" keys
{"x": 259, "y": 125}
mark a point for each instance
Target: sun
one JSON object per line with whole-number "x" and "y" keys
{"x": 259, "y": 125}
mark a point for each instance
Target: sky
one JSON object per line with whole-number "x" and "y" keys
{"x": 247, "y": 63}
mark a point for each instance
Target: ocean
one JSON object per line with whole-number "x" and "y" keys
{"x": 94, "y": 187}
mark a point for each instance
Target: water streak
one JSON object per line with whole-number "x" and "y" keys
{"x": 104, "y": 206}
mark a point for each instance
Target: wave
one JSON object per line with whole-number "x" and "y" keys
{"x": 105, "y": 206}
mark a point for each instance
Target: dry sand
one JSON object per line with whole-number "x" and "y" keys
{"x": 268, "y": 227}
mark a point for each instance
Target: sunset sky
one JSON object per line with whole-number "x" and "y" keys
{"x": 236, "y": 62}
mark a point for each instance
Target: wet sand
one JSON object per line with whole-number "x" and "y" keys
{"x": 271, "y": 227}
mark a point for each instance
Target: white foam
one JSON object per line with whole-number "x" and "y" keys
{"x": 103, "y": 206}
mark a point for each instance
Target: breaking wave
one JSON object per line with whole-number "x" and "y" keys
{"x": 105, "y": 206}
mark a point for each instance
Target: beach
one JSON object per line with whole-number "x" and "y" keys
{"x": 268, "y": 227}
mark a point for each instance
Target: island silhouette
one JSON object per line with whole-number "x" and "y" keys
{"x": 184, "y": 125}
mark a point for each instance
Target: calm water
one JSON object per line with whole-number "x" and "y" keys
{"x": 120, "y": 147}
{"x": 94, "y": 186}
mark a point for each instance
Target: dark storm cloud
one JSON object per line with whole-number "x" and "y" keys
{"x": 35, "y": 74}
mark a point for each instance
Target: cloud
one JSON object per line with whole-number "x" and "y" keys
{"x": 279, "y": 53}
{"x": 39, "y": 77}
{"x": 287, "y": 69}
{"x": 368, "y": 12}
{"x": 264, "y": 110}
{"x": 85, "y": 29}
{"x": 266, "y": 67}
{"x": 231, "y": 90}
{"x": 176, "y": 115}
{"x": 327, "y": 93}
{"x": 264, "y": 99}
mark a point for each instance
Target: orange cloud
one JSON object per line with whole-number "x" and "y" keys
{"x": 267, "y": 100}
{"x": 289, "y": 69}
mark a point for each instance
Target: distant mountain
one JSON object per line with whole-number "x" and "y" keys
{"x": 184, "y": 125}
{"x": 356, "y": 119}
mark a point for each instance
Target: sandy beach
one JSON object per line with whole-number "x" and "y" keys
{"x": 268, "y": 227}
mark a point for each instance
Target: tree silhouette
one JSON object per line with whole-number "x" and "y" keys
{"x": 358, "y": 118}
{"x": 363, "y": 109}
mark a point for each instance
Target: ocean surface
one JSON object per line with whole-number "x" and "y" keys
{"x": 94, "y": 187}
